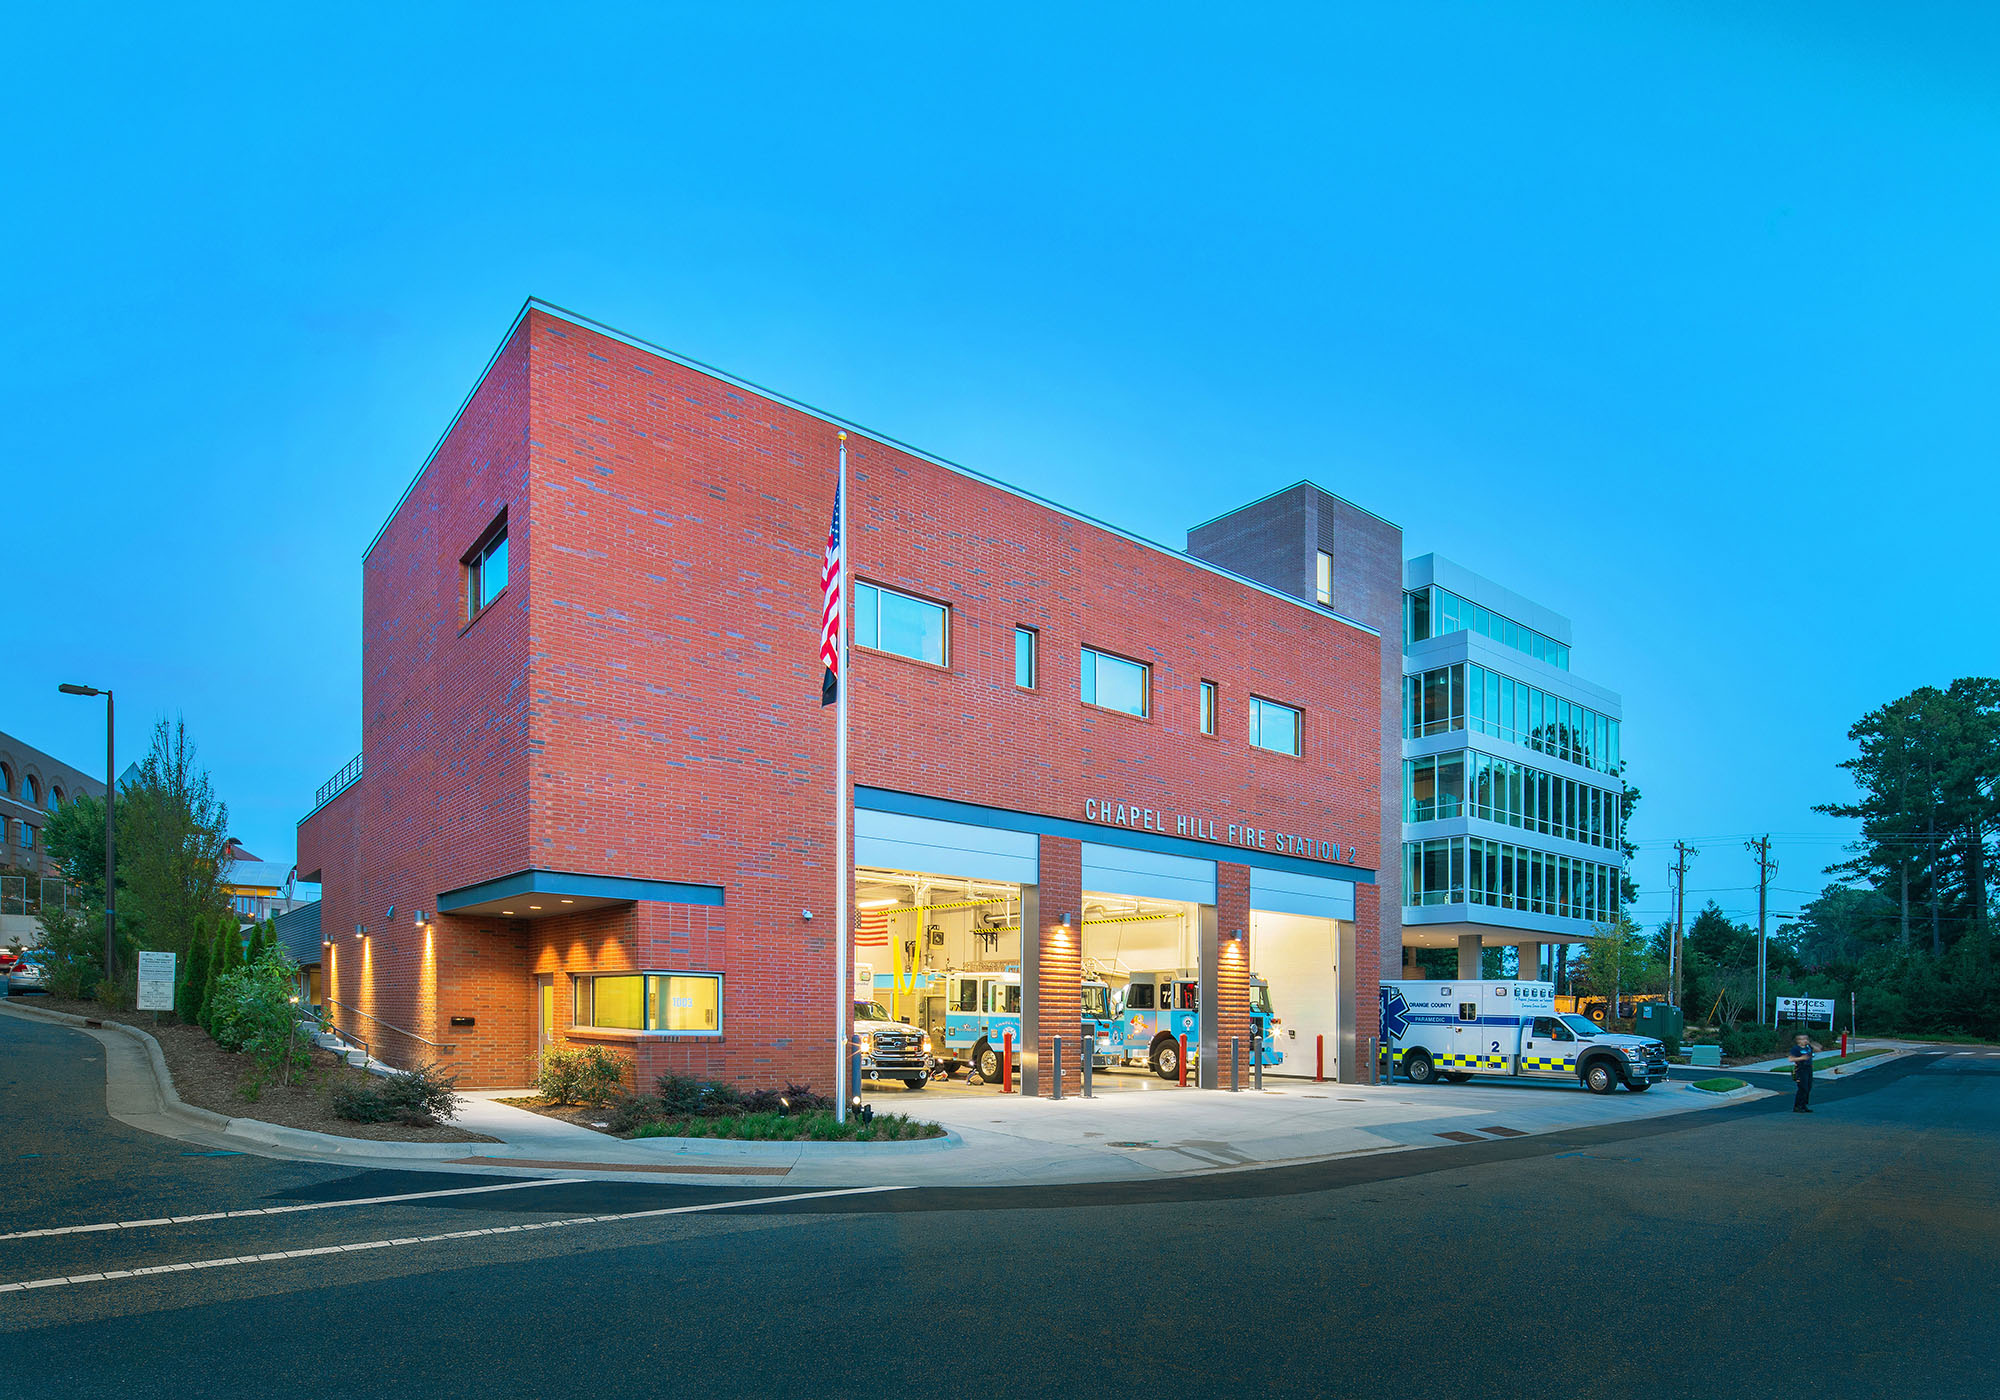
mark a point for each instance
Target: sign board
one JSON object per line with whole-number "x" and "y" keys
{"x": 1805, "y": 1009}
{"x": 864, "y": 981}
{"x": 156, "y": 982}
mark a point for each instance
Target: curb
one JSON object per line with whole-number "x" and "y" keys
{"x": 1743, "y": 1089}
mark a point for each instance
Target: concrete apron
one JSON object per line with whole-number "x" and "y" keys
{"x": 991, "y": 1139}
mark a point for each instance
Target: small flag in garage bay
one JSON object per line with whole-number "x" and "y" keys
{"x": 830, "y": 615}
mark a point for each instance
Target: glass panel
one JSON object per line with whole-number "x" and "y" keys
{"x": 866, "y": 632}
{"x": 1114, "y": 683}
{"x": 1024, "y": 658}
{"x": 1475, "y": 697}
{"x": 617, "y": 1002}
{"x": 1535, "y": 719}
{"x": 493, "y": 571}
{"x": 1457, "y": 696}
{"x": 1325, "y": 577}
{"x": 911, "y": 627}
{"x": 1420, "y": 614}
{"x": 1458, "y": 870}
{"x": 1208, "y": 707}
{"x": 1274, "y": 726}
{"x": 968, "y": 994}
{"x": 683, "y": 1003}
{"x": 1450, "y": 785}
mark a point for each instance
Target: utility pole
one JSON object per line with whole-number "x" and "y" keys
{"x": 1766, "y": 867}
{"x": 1677, "y": 953}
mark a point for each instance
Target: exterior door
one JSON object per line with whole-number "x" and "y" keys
{"x": 545, "y": 1015}
{"x": 1548, "y": 1049}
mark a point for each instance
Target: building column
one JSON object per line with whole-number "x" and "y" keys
{"x": 1360, "y": 1005}
{"x": 1469, "y": 949}
{"x": 1052, "y": 967}
{"x": 1225, "y": 976}
{"x": 1527, "y": 962}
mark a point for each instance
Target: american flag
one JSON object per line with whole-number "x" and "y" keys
{"x": 871, "y": 928}
{"x": 829, "y": 623}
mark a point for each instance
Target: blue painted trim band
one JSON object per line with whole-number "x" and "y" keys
{"x": 590, "y": 886}
{"x": 1001, "y": 819}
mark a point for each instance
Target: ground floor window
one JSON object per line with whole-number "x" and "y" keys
{"x": 683, "y": 1002}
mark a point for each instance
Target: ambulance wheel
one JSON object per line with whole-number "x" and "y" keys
{"x": 1417, "y": 1068}
{"x": 986, "y": 1061}
{"x": 1167, "y": 1060}
{"x": 1639, "y": 1088}
{"x": 1600, "y": 1076}
{"x": 1457, "y": 1078}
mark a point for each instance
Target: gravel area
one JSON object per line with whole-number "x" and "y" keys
{"x": 207, "y": 1076}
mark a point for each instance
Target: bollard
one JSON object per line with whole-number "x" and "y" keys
{"x": 1055, "y": 1068}
{"x": 1319, "y": 1060}
{"x": 1374, "y": 1063}
{"x": 1089, "y": 1059}
{"x": 1235, "y": 1064}
{"x": 1843, "y": 1042}
{"x": 1007, "y": 1063}
{"x": 1257, "y": 1062}
{"x": 1184, "y": 1062}
{"x": 853, "y": 1069}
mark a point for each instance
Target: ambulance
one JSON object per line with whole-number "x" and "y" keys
{"x": 1454, "y": 1030}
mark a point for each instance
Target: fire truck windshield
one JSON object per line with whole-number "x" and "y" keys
{"x": 1260, "y": 999}
{"x": 1097, "y": 1000}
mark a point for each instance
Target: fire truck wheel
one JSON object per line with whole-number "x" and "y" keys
{"x": 986, "y": 1060}
{"x": 1417, "y": 1067}
{"x": 922, "y": 1081}
{"x": 1167, "y": 1060}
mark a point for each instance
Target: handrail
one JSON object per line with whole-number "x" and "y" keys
{"x": 436, "y": 1045}
{"x": 338, "y": 783}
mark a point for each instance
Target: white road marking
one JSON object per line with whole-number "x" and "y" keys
{"x": 283, "y": 1210}
{"x": 318, "y": 1250}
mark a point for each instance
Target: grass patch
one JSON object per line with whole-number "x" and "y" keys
{"x": 816, "y": 1126}
{"x": 1822, "y": 1061}
{"x": 1718, "y": 1086}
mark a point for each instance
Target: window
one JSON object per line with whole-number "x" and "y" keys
{"x": 6, "y": 779}
{"x": 55, "y": 798}
{"x": 1451, "y": 613}
{"x": 968, "y": 994}
{"x": 1139, "y": 997}
{"x": 1113, "y": 683}
{"x": 685, "y": 1003}
{"x": 900, "y": 624}
{"x": 1208, "y": 707}
{"x": 1274, "y": 726}
{"x": 1003, "y": 998}
{"x": 1508, "y": 877}
{"x": 1190, "y": 996}
{"x": 486, "y": 568}
{"x": 31, "y": 791}
{"x": 27, "y": 836}
{"x": 1486, "y": 702}
{"x": 1468, "y": 1011}
{"x": 1025, "y": 667}
{"x": 1325, "y": 578}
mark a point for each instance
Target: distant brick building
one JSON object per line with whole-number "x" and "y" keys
{"x": 594, "y": 800}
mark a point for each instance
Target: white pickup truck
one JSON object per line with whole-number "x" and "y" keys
{"x": 1454, "y": 1030}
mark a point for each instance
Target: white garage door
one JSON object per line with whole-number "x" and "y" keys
{"x": 1121, "y": 870}
{"x": 1282, "y": 892}
{"x": 891, "y": 841}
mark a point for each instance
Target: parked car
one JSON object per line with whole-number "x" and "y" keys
{"x": 8, "y": 957}
{"x": 29, "y": 974}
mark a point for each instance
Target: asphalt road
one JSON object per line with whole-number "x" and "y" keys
{"x": 1747, "y": 1251}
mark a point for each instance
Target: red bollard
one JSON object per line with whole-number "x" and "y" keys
{"x": 1184, "y": 1062}
{"x": 1843, "y": 1042}
{"x": 1007, "y": 1063}
{"x": 1319, "y": 1060}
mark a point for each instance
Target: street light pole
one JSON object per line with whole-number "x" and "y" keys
{"x": 110, "y": 839}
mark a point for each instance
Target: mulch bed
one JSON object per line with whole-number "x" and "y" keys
{"x": 596, "y": 1119}
{"x": 207, "y": 1076}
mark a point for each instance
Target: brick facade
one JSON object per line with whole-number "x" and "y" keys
{"x": 642, "y": 702}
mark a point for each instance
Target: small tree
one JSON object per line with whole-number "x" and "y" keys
{"x": 194, "y": 982}
{"x": 254, "y": 1012}
{"x": 256, "y": 949}
{"x": 1618, "y": 963}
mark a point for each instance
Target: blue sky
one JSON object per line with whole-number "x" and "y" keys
{"x": 1678, "y": 319}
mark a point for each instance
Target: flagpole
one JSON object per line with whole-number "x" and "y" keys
{"x": 843, "y": 991}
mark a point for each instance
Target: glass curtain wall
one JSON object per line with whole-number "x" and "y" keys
{"x": 1498, "y": 874}
{"x": 1438, "y": 612}
{"x": 1466, "y": 696}
{"x": 1474, "y": 784}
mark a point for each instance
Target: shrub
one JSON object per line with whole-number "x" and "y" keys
{"x": 632, "y": 1112}
{"x": 422, "y": 1096}
{"x": 793, "y": 1098}
{"x": 589, "y": 1075}
{"x": 694, "y": 1098}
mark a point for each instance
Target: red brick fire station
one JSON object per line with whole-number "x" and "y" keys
{"x": 594, "y": 801}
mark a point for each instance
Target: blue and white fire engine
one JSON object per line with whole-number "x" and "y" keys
{"x": 1157, "y": 1009}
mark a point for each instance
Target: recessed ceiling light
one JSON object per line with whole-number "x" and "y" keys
{"x": 506, "y": 911}
{"x": 569, "y": 901}
{"x": 534, "y": 906}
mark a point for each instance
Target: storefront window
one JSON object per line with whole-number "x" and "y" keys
{"x": 684, "y": 1003}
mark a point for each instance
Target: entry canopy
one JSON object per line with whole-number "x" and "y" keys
{"x": 549, "y": 894}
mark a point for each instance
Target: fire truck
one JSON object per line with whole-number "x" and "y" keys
{"x": 1157, "y": 1009}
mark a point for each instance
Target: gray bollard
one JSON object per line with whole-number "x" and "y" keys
{"x": 1374, "y": 1062}
{"x": 1055, "y": 1066}
{"x": 1235, "y": 1064}
{"x": 1089, "y": 1059}
{"x": 1257, "y": 1062}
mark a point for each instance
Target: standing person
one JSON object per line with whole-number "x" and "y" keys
{"x": 1802, "y": 1067}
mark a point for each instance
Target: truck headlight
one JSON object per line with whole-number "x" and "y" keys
{"x": 927, "y": 1045}
{"x": 1633, "y": 1052}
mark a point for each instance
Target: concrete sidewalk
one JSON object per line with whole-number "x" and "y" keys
{"x": 992, "y": 1139}
{"x": 1783, "y": 1063}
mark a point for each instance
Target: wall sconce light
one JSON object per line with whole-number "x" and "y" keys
{"x": 392, "y": 912}
{"x": 806, "y": 914}
{"x": 360, "y": 932}
{"x": 1236, "y": 935}
{"x": 420, "y": 917}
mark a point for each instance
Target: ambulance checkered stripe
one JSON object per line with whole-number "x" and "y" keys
{"x": 1546, "y": 1062}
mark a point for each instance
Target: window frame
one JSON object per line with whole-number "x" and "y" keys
{"x": 1208, "y": 708}
{"x": 1323, "y": 578}
{"x": 473, "y": 568}
{"x": 1298, "y": 726}
{"x": 584, "y": 984}
{"x": 1087, "y": 675}
{"x": 944, "y": 635}
{"x": 1033, "y": 638}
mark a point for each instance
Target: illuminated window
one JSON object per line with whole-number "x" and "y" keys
{"x": 680, "y": 1002}
{"x": 1325, "y": 589}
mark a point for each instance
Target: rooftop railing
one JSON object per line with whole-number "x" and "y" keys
{"x": 338, "y": 783}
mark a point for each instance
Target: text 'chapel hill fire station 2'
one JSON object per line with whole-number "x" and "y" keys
{"x": 594, "y": 801}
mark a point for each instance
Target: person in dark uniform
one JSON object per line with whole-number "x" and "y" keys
{"x": 1802, "y": 1058}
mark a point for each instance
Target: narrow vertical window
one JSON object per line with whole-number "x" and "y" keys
{"x": 1325, "y": 590}
{"x": 1026, "y": 664}
{"x": 486, "y": 568}
{"x": 1208, "y": 707}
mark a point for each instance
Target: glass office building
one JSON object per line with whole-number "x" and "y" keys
{"x": 1511, "y": 788}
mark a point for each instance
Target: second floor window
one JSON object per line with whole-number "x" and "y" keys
{"x": 1274, "y": 726}
{"x": 1025, "y": 666}
{"x": 486, "y": 570}
{"x": 896, "y": 622}
{"x": 1113, "y": 683}
{"x": 1208, "y": 707}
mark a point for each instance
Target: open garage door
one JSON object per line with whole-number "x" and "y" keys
{"x": 1302, "y": 947}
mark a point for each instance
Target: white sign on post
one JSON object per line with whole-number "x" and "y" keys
{"x": 156, "y": 982}
{"x": 1805, "y": 1009}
